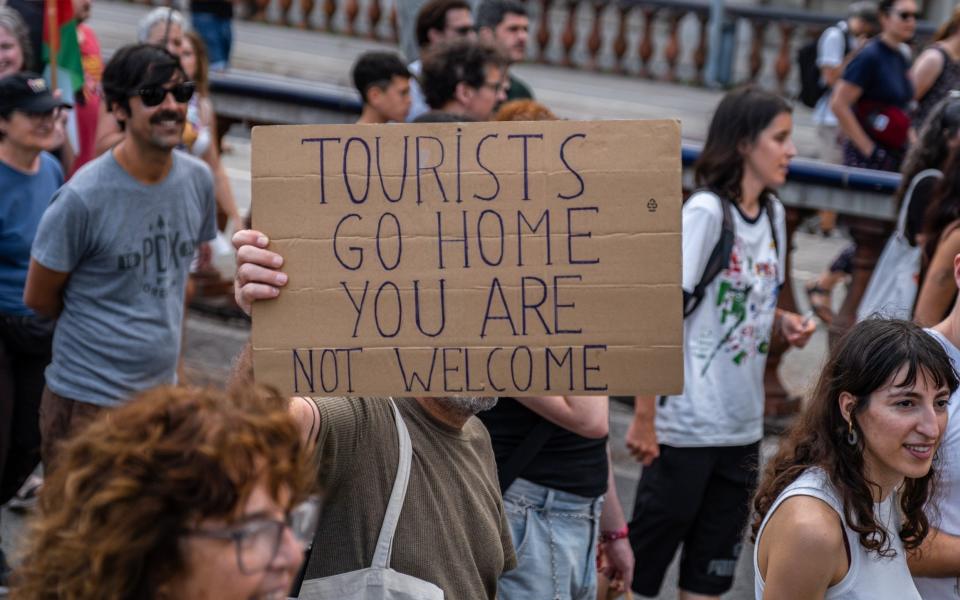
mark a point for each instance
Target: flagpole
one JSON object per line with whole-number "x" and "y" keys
{"x": 54, "y": 39}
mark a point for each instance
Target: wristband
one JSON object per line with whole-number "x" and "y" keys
{"x": 612, "y": 536}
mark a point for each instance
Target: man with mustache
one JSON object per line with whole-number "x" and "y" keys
{"x": 113, "y": 250}
{"x": 452, "y": 531}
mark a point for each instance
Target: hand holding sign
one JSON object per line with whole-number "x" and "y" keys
{"x": 465, "y": 259}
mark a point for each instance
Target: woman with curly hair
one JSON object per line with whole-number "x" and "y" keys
{"x": 181, "y": 494}
{"x": 844, "y": 498}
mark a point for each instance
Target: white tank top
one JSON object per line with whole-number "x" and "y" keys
{"x": 870, "y": 577}
{"x": 948, "y": 497}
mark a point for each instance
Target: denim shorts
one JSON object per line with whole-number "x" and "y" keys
{"x": 555, "y": 537}
{"x": 217, "y": 34}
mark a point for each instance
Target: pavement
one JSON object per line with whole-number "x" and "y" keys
{"x": 212, "y": 343}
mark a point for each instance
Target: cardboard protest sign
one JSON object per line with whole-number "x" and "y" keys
{"x": 471, "y": 259}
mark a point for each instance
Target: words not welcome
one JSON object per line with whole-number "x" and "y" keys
{"x": 471, "y": 259}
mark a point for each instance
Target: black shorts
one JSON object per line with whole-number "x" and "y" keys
{"x": 698, "y": 496}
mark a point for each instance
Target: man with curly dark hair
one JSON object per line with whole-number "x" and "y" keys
{"x": 465, "y": 77}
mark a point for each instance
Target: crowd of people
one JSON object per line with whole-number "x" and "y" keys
{"x": 152, "y": 489}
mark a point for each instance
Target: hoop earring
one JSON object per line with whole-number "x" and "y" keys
{"x": 852, "y": 436}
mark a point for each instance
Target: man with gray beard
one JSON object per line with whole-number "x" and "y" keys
{"x": 452, "y": 530}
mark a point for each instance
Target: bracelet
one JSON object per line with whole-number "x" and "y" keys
{"x": 612, "y": 536}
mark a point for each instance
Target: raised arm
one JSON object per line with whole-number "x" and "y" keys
{"x": 845, "y": 95}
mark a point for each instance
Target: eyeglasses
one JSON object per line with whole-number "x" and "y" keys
{"x": 258, "y": 540}
{"x": 155, "y": 95}
{"x": 906, "y": 15}
{"x": 495, "y": 86}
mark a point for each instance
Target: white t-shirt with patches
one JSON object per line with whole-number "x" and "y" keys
{"x": 727, "y": 338}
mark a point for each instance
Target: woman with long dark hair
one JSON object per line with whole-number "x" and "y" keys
{"x": 941, "y": 242}
{"x": 844, "y": 498}
{"x": 699, "y": 445}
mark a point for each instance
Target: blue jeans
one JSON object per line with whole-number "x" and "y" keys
{"x": 555, "y": 537}
{"x": 217, "y": 34}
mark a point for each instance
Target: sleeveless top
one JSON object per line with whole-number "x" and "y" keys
{"x": 196, "y": 135}
{"x": 869, "y": 577}
{"x": 948, "y": 499}
{"x": 949, "y": 79}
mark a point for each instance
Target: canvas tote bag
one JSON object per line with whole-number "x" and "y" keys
{"x": 379, "y": 581}
{"x": 892, "y": 289}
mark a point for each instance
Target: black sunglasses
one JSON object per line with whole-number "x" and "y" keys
{"x": 906, "y": 15}
{"x": 154, "y": 95}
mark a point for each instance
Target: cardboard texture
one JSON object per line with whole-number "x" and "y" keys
{"x": 512, "y": 259}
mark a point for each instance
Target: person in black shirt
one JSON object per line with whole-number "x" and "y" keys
{"x": 553, "y": 467}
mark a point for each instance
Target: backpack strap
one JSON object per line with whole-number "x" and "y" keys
{"x": 719, "y": 257}
{"x": 523, "y": 454}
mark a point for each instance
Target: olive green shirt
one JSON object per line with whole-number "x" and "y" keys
{"x": 452, "y": 530}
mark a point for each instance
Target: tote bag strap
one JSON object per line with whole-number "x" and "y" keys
{"x": 381, "y": 558}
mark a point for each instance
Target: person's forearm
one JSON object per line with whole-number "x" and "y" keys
{"x": 645, "y": 407}
{"x": 242, "y": 373}
{"x": 938, "y": 556}
{"x": 587, "y": 416}
{"x": 612, "y": 517}
{"x": 224, "y": 195}
{"x": 847, "y": 121}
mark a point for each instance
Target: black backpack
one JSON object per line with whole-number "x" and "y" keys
{"x": 811, "y": 88}
{"x": 720, "y": 256}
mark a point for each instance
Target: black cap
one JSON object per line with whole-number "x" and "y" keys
{"x": 27, "y": 92}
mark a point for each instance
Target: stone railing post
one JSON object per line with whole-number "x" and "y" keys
{"x": 869, "y": 235}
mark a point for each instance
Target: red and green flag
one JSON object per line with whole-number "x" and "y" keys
{"x": 60, "y": 33}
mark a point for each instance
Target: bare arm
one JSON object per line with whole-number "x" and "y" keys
{"x": 925, "y": 71}
{"x": 43, "y": 293}
{"x": 939, "y": 286}
{"x": 307, "y": 416}
{"x": 938, "y": 556}
{"x": 618, "y": 555}
{"x": 642, "y": 434}
{"x": 222, "y": 190}
{"x": 831, "y": 75}
{"x": 845, "y": 95}
{"x": 587, "y": 416}
{"x": 801, "y": 552}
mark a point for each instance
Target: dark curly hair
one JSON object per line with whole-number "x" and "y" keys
{"x": 114, "y": 507}
{"x": 863, "y": 361}
{"x": 451, "y": 63}
{"x": 740, "y": 117}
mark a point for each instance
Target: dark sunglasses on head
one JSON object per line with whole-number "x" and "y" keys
{"x": 154, "y": 95}
{"x": 465, "y": 30}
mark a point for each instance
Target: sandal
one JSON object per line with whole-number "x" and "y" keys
{"x": 820, "y": 302}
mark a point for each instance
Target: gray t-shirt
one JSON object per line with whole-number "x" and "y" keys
{"x": 128, "y": 248}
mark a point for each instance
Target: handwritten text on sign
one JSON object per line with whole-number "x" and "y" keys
{"x": 471, "y": 259}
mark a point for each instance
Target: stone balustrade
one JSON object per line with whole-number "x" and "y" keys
{"x": 656, "y": 39}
